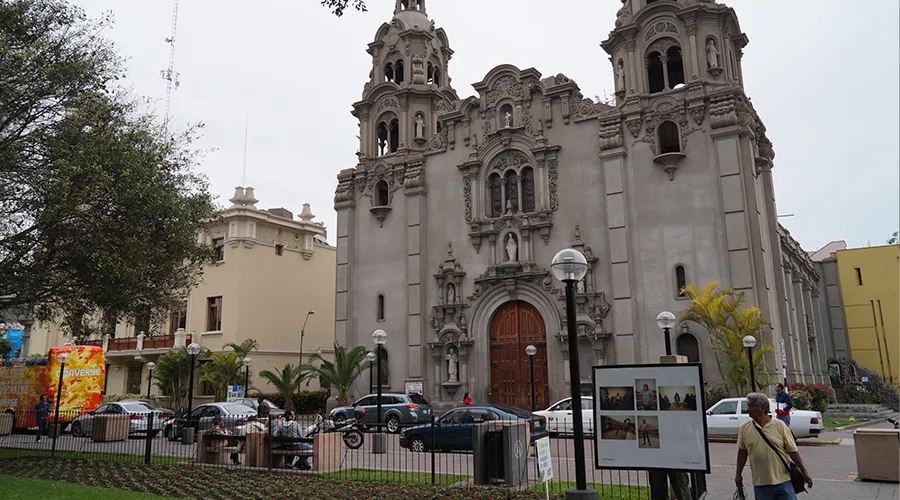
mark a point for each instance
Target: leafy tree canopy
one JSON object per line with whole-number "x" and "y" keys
{"x": 338, "y": 6}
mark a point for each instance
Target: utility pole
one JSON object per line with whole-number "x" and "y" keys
{"x": 169, "y": 74}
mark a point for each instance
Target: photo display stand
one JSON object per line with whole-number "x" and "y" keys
{"x": 650, "y": 417}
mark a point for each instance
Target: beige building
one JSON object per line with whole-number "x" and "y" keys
{"x": 272, "y": 272}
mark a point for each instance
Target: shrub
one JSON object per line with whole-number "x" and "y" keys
{"x": 818, "y": 393}
{"x": 802, "y": 400}
{"x": 713, "y": 395}
{"x": 875, "y": 391}
{"x": 112, "y": 398}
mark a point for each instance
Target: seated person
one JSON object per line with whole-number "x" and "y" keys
{"x": 291, "y": 429}
{"x": 218, "y": 429}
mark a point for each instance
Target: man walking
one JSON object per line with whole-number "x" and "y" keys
{"x": 783, "y": 405}
{"x": 771, "y": 479}
{"x": 41, "y": 410}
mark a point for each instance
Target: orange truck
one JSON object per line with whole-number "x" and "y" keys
{"x": 23, "y": 381}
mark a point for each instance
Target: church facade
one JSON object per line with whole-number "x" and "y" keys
{"x": 447, "y": 224}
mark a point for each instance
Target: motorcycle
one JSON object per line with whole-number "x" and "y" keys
{"x": 352, "y": 436}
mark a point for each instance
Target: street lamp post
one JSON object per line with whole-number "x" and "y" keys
{"x": 303, "y": 334}
{"x": 62, "y": 357}
{"x": 371, "y": 357}
{"x": 247, "y": 363}
{"x": 379, "y": 337}
{"x": 150, "y": 366}
{"x": 570, "y": 266}
{"x": 187, "y": 436}
{"x": 531, "y": 351}
{"x": 666, "y": 321}
{"x": 750, "y": 342}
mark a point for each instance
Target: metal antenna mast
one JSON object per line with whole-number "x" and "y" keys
{"x": 169, "y": 74}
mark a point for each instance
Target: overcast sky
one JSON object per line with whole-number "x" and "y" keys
{"x": 822, "y": 74}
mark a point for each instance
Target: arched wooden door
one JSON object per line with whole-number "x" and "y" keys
{"x": 514, "y": 326}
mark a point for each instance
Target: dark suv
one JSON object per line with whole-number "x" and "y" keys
{"x": 397, "y": 410}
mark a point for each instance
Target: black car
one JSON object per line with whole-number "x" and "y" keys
{"x": 397, "y": 410}
{"x": 453, "y": 431}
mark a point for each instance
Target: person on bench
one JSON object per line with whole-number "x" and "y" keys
{"x": 291, "y": 429}
{"x": 218, "y": 429}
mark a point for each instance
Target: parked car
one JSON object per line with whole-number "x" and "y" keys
{"x": 166, "y": 412}
{"x": 453, "y": 431}
{"x": 559, "y": 416}
{"x": 137, "y": 411}
{"x": 725, "y": 418}
{"x": 397, "y": 410}
{"x": 233, "y": 415}
{"x": 252, "y": 403}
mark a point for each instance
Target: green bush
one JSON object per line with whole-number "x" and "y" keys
{"x": 305, "y": 402}
{"x": 713, "y": 395}
{"x": 819, "y": 394}
{"x": 802, "y": 400}
{"x": 112, "y": 398}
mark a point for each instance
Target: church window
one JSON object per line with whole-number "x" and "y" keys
{"x": 394, "y": 130}
{"x": 404, "y": 4}
{"x": 389, "y": 72}
{"x": 687, "y": 345}
{"x": 383, "y": 136}
{"x": 527, "y": 190}
{"x": 379, "y": 315}
{"x": 496, "y": 187}
{"x": 668, "y": 138}
{"x": 655, "y": 73}
{"x": 398, "y": 71}
{"x": 680, "y": 280}
{"x": 433, "y": 74}
{"x": 512, "y": 191}
{"x": 674, "y": 67}
{"x": 382, "y": 195}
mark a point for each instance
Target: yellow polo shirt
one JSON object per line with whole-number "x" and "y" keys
{"x": 765, "y": 466}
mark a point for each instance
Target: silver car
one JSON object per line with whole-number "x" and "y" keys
{"x": 233, "y": 415}
{"x": 137, "y": 412}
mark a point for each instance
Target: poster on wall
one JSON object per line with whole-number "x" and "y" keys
{"x": 650, "y": 417}
{"x": 414, "y": 387}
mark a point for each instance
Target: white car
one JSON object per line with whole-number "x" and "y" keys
{"x": 559, "y": 416}
{"x": 726, "y": 417}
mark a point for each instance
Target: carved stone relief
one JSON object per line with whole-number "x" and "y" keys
{"x": 660, "y": 27}
{"x": 505, "y": 86}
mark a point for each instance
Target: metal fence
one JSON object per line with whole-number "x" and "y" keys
{"x": 459, "y": 454}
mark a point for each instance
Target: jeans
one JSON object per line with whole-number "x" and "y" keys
{"x": 786, "y": 419}
{"x": 42, "y": 427}
{"x": 783, "y": 491}
{"x": 302, "y": 447}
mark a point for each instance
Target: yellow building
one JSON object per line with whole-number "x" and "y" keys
{"x": 274, "y": 274}
{"x": 870, "y": 292}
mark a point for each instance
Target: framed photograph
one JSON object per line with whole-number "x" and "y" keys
{"x": 650, "y": 417}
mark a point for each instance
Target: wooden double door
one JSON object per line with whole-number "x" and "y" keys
{"x": 515, "y": 326}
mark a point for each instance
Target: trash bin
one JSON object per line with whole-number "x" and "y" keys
{"x": 877, "y": 454}
{"x": 187, "y": 435}
{"x": 500, "y": 453}
{"x": 494, "y": 456}
{"x": 6, "y": 423}
{"x": 53, "y": 430}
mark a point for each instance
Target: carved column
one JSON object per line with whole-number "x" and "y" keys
{"x": 814, "y": 365}
{"x": 404, "y": 118}
{"x": 414, "y": 185}
{"x": 820, "y": 335}
{"x": 633, "y": 83}
{"x": 542, "y": 184}
{"x": 437, "y": 355}
{"x": 794, "y": 359}
{"x": 695, "y": 61}
{"x": 800, "y": 312}
{"x": 364, "y": 134}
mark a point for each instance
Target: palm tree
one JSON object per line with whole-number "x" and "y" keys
{"x": 221, "y": 371}
{"x": 286, "y": 381}
{"x": 172, "y": 372}
{"x": 244, "y": 348}
{"x": 340, "y": 374}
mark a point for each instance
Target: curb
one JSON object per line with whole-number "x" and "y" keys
{"x": 800, "y": 442}
{"x": 857, "y": 426}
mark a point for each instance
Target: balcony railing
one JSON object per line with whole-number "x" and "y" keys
{"x": 142, "y": 342}
{"x": 126, "y": 344}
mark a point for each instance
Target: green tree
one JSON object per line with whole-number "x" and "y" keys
{"x": 100, "y": 209}
{"x": 338, "y": 6}
{"x": 222, "y": 370}
{"x": 286, "y": 382}
{"x": 727, "y": 320}
{"x": 894, "y": 238}
{"x": 5, "y": 347}
{"x": 340, "y": 374}
{"x": 172, "y": 375}
{"x": 244, "y": 348}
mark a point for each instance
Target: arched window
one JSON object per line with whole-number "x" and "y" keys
{"x": 404, "y": 4}
{"x": 512, "y": 192}
{"x": 389, "y": 72}
{"x": 398, "y": 71}
{"x": 496, "y": 187}
{"x": 680, "y": 280}
{"x": 385, "y": 371}
{"x": 429, "y": 74}
{"x": 674, "y": 67}
{"x": 382, "y": 195}
{"x": 528, "y": 190}
{"x": 436, "y": 76}
{"x": 383, "y": 137}
{"x": 379, "y": 314}
{"x": 394, "y": 130}
{"x": 655, "y": 73}
{"x": 687, "y": 345}
{"x": 668, "y": 138}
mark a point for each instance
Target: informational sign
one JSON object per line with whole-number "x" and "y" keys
{"x": 545, "y": 462}
{"x": 235, "y": 392}
{"x": 650, "y": 417}
{"x": 414, "y": 387}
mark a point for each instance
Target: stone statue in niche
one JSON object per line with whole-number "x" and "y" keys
{"x": 452, "y": 365}
{"x": 451, "y": 293}
{"x": 508, "y": 119}
{"x": 512, "y": 248}
{"x": 420, "y": 127}
{"x": 712, "y": 54}
{"x": 620, "y": 76}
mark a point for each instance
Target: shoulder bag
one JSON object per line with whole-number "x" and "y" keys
{"x": 797, "y": 479}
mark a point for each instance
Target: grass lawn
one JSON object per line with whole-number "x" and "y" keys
{"x": 606, "y": 491}
{"x": 394, "y": 477}
{"x": 99, "y": 457}
{"x": 20, "y": 487}
{"x": 832, "y": 423}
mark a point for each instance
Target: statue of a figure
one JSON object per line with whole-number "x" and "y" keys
{"x": 512, "y": 248}
{"x": 451, "y": 293}
{"x": 508, "y": 119}
{"x": 420, "y": 127}
{"x": 579, "y": 288}
{"x": 712, "y": 54}
{"x": 620, "y": 76}
{"x": 453, "y": 365}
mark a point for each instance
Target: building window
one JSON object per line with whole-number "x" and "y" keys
{"x": 214, "y": 314}
{"x": 858, "y": 276}
{"x": 178, "y": 318}
{"x": 382, "y": 194}
{"x": 219, "y": 246}
{"x": 380, "y": 312}
{"x": 674, "y": 67}
{"x": 655, "y": 73}
{"x": 668, "y": 138}
{"x": 665, "y": 71}
{"x": 133, "y": 379}
{"x": 528, "y": 204}
{"x": 680, "y": 280}
{"x": 496, "y": 187}
{"x": 279, "y": 249}
{"x": 512, "y": 192}
{"x": 687, "y": 345}
{"x": 388, "y": 137}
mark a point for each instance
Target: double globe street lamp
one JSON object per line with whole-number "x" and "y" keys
{"x": 570, "y": 266}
